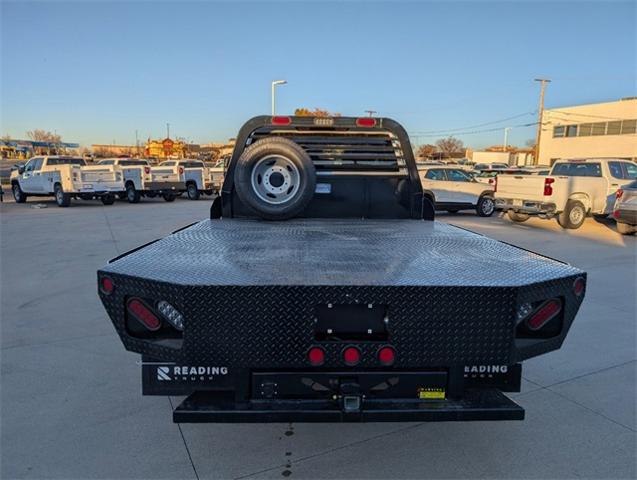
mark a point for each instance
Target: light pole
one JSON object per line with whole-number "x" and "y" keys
{"x": 506, "y": 136}
{"x": 274, "y": 84}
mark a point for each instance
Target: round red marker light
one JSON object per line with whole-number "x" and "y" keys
{"x": 316, "y": 356}
{"x": 386, "y": 356}
{"x": 578, "y": 286}
{"x": 107, "y": 285}
{"x": 351, "y": 356}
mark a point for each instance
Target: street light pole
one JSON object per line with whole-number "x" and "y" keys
{"x": 506, "y": 135}
{"x": 274, "y": 84}
{"x": 540, "y": 114}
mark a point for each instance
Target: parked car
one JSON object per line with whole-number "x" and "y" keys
{"x": 490, "y": 166}
{"x": 65, "y": 177}
{"x": 452, "y": 189}
{"x": 625, "y": 209}
{"x": 194, "y": 174}
{"x": 138, "y": 180}
{"x": 573, "y": 190}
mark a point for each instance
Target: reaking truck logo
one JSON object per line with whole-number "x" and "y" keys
{"x": 189, "y": 373}
{"x": 474, "y": 370}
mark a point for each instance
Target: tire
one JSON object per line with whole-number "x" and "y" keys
{"x": 193, "y": 192}
{"x": 625, "y": 229}
{"x": 108, "y": 199}
{"x": 61, "y": 198}
{"x": 486, "y": 206}
{"x": 573, "y": 215}
{"x": 169, "y": 197}
{"x": 132, "y": 195}
{"x": 18, "y": 195}
{"x": 275, "y": 178}
{"x": 517, "y": 217}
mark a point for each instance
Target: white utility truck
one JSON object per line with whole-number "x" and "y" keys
{"x": 193, "y": 174}
{"x": 572, "y": 190}
{"x": 139, "y": 181}
{"x": 65, "y": 177}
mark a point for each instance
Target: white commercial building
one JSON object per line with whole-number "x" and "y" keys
{"x": 601, "y": 130}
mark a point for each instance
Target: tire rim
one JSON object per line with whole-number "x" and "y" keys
{"x": 59, "y": 196}
{"x": 576, "y": 215}
{"x": 131, "y": 193}
{"x": 16, "y": 192}
{"x": 275, "y": 179}
{"x": 191, "y": 191}
{"x": 487, "y": 206}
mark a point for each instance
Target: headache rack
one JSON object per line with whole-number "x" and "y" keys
{"x": 335, "y": 150}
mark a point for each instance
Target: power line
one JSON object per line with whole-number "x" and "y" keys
{"x": 424, "y": 132}
{"x": 473, "y": 132}
{"x": 562, "y": 112}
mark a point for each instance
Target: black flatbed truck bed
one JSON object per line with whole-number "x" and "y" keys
{"x": 258, "y": 298}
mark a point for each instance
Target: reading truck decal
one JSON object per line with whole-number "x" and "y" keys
{"x": 187, "y": 373}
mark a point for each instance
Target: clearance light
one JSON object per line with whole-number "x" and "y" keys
{"x": 366, "y": 122}
{"x": 351, "y": 356}
{"x": 281, "y": 120}
{"x": 171, "y": 314}
{"x": 578, "y": 286}
{"x": 316, "y": 356}
{"x": 386, "y": 356}
{"x": 107, "y": 286}
{"x": 546, "y": 312}
{"x": 142, "y": 313}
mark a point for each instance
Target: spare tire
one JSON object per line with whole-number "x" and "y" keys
{"x": 275, "y": 177}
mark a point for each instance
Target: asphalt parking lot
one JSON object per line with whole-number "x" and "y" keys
{"x": 72, "y": 405}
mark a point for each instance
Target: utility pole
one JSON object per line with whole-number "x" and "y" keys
{"x": 540, "y": 114}
{"x": 371, "y": 112}
{"x": 273, "y": 85}
{"x": 137, "y": 143}
{"x": 506, "y": 136}
{"x": 168, "y": 130}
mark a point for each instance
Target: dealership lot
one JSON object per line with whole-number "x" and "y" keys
{"x": 72, "y": 406}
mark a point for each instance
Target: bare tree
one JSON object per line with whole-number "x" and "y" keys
{"x": 530, "y": 143}
{"x": 317, "y": 112}
{"x": 450, "y": 145}
{"x": 44, "y": 136}
{"x": 426, "y": 151}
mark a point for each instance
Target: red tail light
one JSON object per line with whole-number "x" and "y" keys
{"x": 316, "y": 356}
{"x": 142, "y": 313}
{"x": 351, "y": 356}
{"x": 386, "y": 356}
{"x": 181, "y": 170}
{"x": 616, "y": 214}
{"x": 578, "y": 286}
{"x": 107, "y": 286}
{"x": 548, "y": 189}
{"x": 366, "y": 122}
{"x": 147, "y": 170}
{"x": 491, "y": 181}
{"x": 619, "y": 194}
{"x": 281, "y": 120}
{"x": 544, "y": 314}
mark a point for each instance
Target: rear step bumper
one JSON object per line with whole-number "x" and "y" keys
{"x": 219, "y": 407}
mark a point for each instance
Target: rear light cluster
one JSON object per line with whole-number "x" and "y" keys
{"x": 544, "y": 314}
{"x": 147, "y": 170}
{"x": 352, "y": 356}
{"x": 181, "y": 170}
{"x": 144, "y": 314}
{"x": 548, "y": 186}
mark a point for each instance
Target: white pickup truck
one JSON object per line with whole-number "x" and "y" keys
{"x": 572, "y": 190}
{"x": 194, "y": 175}
{"x": 65, "y": 177}
{"x": 139, "y": 180}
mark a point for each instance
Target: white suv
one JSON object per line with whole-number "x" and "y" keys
{"x": 452, "y": 189}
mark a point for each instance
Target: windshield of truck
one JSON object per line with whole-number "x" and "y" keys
{"x": 167, "y": 164}
{"x": 66, "y": 161}
{"x": 192, "y": 164}
{"x": 573, "y": 169}
{"x": 132, "y": 163}
{"x": 106, "y": 162}
{"x": 630, "y": 170}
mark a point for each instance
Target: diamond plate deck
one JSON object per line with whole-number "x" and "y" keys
{"x": 336, "y": 252}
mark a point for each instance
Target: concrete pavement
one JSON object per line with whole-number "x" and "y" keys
{"x": 72, "y": 406}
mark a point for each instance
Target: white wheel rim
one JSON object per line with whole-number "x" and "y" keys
{"x": 487, "y": 206}
{"x": 275, "y": 179}
{"x": 16, "y": 191}
{"x": 576, "y": 215}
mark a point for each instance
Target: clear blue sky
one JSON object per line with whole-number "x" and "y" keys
{"x": 96, "y": 72}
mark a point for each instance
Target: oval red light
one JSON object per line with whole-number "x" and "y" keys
{"x": 142, "y": 313}
{"x": 146, "y": 170}
{"x": 281, "y": 120}
{"x": 107, "y": 285}
{"x": 386, "y": 356}
{"x": 578, "y": 286}
{"x": 546, "y": 312}
{"x": 316, "y": 356}
{"x": 181, "y": 170}
{"x": 366, "y": 122}
{"x": 351, "y": 356}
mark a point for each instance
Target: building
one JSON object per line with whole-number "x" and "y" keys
{"x": 166, "y": 148}
{"x": 113, "y": 150}
{"x": 604, "y": 130}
